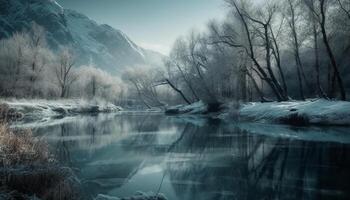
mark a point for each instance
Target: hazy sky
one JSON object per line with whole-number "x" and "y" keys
{"x": 152, "y": 24}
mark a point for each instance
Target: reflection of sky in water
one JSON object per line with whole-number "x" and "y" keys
{"x": 119, "y": 155}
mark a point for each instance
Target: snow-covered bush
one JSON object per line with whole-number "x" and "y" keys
{"x": 96, "y": 83}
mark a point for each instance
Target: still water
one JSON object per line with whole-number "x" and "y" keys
{"x": 201, "y": 159}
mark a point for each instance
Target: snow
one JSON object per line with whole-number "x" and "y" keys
{"x": 132, "y": 45}
{"x": 309, "y": 112}
{"x": 107, "y": 47}
{"x": 195, "y": 108}
{"x": 39, "y": 110}
{"x": 137, "y": 196}
{"x": 57, "y": 5}
{"x": 318, "y": 112}
{"x": 54, "y": 7}
{"x": 106, "y": 197}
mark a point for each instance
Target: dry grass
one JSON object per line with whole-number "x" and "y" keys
{"x": 45, "y": 182}
{"x": 28, "y": 169}
{"x": 21, "y": 148}
{"x": 8, "y": 114}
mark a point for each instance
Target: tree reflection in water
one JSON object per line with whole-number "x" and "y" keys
{"x": 208, "y": 160}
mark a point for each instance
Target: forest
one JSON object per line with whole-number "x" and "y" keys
{"x": 275, "y": 50}
{"x": 266, "y": 51}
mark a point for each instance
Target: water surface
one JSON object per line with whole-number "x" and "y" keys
{"x": 197, "y": 158}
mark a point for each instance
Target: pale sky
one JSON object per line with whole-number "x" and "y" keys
{"x": 152, "y": 24}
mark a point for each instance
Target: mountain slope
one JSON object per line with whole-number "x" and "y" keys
{"x": 106, "y": 47}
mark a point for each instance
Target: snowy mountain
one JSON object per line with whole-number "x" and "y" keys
{"x": 106, "y": 47}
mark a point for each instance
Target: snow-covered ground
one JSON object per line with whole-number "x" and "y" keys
{"x": 193, "y": 109}
{"x": 137, "y": 196}
{"x": 41, "y": 109}
{"x": 317, "y": 112}
{"x": 310, "y": 112}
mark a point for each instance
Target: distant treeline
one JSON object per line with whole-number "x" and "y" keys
{"x": 29, "y": 69}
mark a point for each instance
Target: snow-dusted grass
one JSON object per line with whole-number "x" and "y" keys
{"x": 29, "y": 169}
{"x": 38, "y": 109}
{"x": 193, "y": 109}
{"x": 137, "y": 196}
{"x": 310, "y": 112}
{"x": 318, "y": 112}
{"x": 21, "y": 148}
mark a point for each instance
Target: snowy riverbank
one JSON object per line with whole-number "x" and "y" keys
{"x": 310, "y": 112}
{"x": 41, "y": 109}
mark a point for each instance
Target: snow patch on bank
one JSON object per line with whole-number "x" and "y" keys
{"x": 137, "y": 196}
{"x": 195, "y": 108}
{"x": 43, "y": 109}
{"x": 321, "y": 112}
{"x": 309, "y": 112}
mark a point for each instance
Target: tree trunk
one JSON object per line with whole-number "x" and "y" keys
{"x": 299, "y": 66}
{"x": 269, "y": 66}
{"x": 243, "y": 83}
{"x": 178, "y": 91}
{"x": 320, "y": 90}
{"x": 256, "y": 86}
{"x": 63, "y": 91}
{"x": 250, "y": 52}
{"x": 140, "y": 95}
{"x": 277, "y": 55}
{"x": 330, "y": 51}
{"x": 300, "y": 82}
{"x": 189, "y": 84}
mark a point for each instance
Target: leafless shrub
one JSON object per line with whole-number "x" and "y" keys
{"x": 28, "y": 169}
{"x": 21, "y": 148}
{"x": 8, "y": 114}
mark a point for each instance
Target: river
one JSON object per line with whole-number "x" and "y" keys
{"x": 190, "y": 158}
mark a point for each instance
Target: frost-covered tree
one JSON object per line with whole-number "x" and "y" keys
{"x": 26, "y": 64}
{"x": 145, "y": 81}
{"x": 320, "y": 10}
{"x": 96, "y": 83}
{"x": 65, "y": 74}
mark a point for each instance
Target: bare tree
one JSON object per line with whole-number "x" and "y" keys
{"x": 277, "y": 53}
{"x": 178, "y": 59}
{"x": 292, "y": 20}
{"x": 40, "y": 55}
{"x": 321, "y": 15}
{"x": 269, "y": 76}
{"x": 198, "y": 62}
{"x": 64, "y": 73}
{"x": 167, "y": 80}
{"x": 315, "y": 36}
{"x": 144, "y": 80}
{"x": 345, "y": 7}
